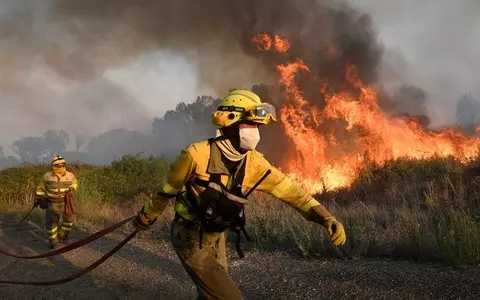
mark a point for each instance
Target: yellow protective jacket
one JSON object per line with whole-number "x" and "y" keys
{"x": 54, "y": 187}
{"x": 195, "y": 161}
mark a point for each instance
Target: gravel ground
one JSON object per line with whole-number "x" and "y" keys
{"x": 150, "y": 270}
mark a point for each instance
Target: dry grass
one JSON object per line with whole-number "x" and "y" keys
{"x": 407, "y": 209}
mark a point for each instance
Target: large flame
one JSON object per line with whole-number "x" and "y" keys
{"x": 267, "y": 43}
{"x": 325, "y": 162}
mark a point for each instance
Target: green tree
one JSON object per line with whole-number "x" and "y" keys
{"x": 56, "y": 141}
{"x": 80, "y": 141}
{"x": 113, "y": 144}
{"x": 188, "y": 123}
{"x": 6, "y": 162}
{"x": 31, "y": 149}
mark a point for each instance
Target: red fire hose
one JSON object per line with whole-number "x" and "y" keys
{"x": 18, "y": 223}
{"x": 71, "y": 247}
{"x": 78, "y": 274}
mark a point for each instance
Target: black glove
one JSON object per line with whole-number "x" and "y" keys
{"x": 36, "y": 200}
{"x": 141, "y": 222}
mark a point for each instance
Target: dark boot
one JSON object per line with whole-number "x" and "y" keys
{"x": 63, "y": 236}
{"x": 53, "y": 244}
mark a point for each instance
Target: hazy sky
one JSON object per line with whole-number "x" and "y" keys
{"x": 434, "y": 45}
{"x": 440, "y": 43}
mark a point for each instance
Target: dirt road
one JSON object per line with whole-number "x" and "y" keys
{"x": 150, "y": 270}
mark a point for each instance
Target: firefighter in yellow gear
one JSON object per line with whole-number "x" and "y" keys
{"x": 55, "y": 194}
{"x": 209, "y": 180}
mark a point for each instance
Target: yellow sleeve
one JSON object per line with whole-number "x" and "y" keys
{"x": 282, "y": 187}
{"x": 41, "y": 187}
{"x": 179, "y": 173}
{"x": 74, "y": 184}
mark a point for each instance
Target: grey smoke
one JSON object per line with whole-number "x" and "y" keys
{"x": 433, "y": 45}
{"x": 59, "y": 58}
{"x": 53, "y": 50}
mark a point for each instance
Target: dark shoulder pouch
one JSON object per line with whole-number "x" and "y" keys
{"x": 218, "y": 208}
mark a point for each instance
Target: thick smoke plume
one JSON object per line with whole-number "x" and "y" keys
{"x": 326, "y": 36}
{"x": 432, "y": 45}
{"x": 216, "y": 35}
{"x": 93, "y": 36}
{"x": 75, "y": 43}
{"x": 213, "y": 34}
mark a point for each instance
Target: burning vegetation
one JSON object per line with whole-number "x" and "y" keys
{"x": 338, "y": 130}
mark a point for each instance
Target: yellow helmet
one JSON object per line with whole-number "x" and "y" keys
{"x": 241, "y": 105}
{"x": 57, "y": 159}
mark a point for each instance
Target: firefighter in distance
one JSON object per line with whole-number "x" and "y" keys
{"x": 55, "y": 194}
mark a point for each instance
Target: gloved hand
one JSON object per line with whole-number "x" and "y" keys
{"x": 319, "y": 214}
{"x": 36, "y": 200}
{"x": 336, "y": 231}
{"x": 141, "y": 222}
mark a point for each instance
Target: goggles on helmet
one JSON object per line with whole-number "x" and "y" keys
{"x": 262, "y": 111}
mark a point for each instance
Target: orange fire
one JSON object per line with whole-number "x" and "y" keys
{"x": 325, "y": 162}
{"x": 264, "y": 43}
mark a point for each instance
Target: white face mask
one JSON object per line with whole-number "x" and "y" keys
{"x": 249, "y": 138}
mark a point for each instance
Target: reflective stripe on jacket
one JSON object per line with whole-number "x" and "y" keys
{"x": 54, "y": 187}
{"x": 195, "y": 162}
